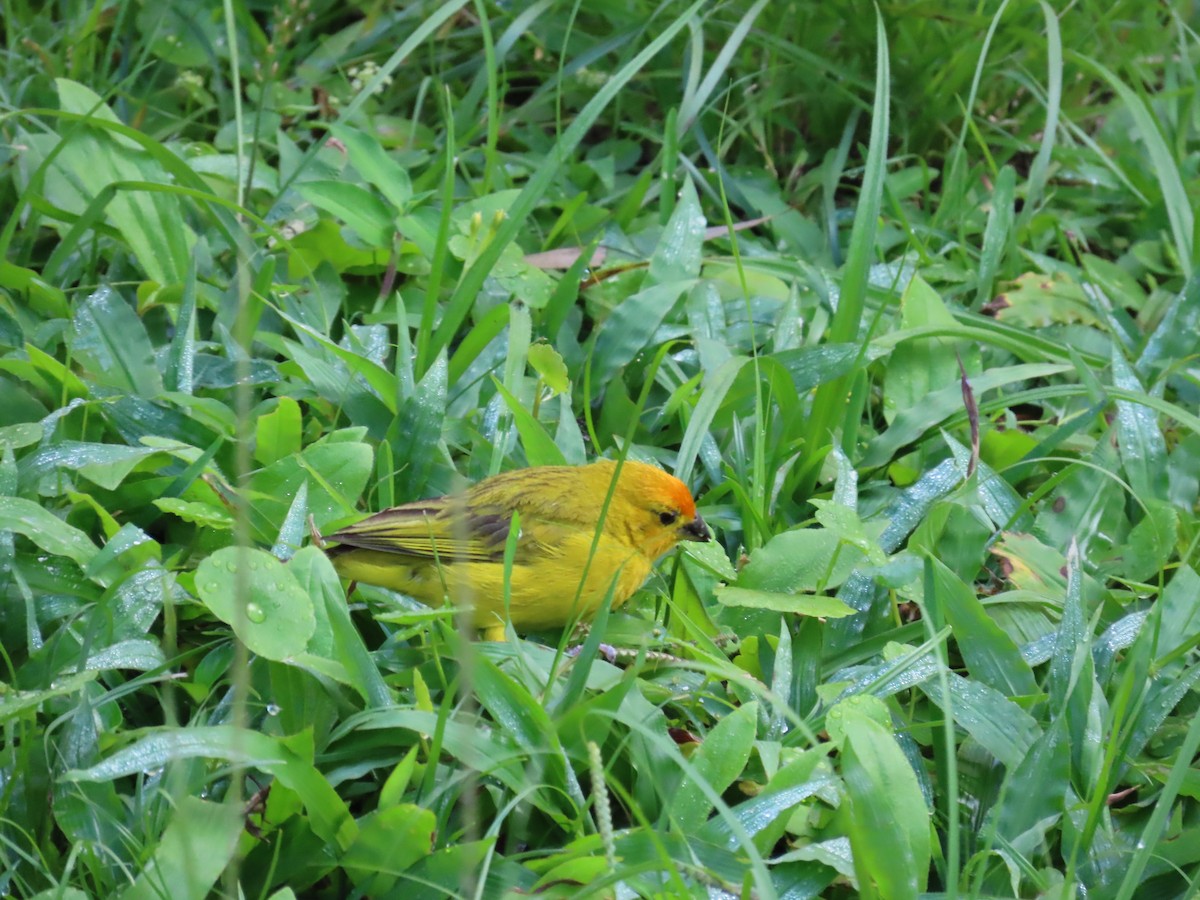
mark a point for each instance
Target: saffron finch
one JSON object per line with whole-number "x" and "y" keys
{"x": 452, "y": 547}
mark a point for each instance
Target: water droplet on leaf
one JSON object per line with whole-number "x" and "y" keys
{"x": 255, "y": 613}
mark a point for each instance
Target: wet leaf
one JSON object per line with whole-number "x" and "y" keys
{"x": 277, "y": 619}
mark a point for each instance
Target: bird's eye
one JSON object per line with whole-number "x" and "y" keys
{"x": 668, "y": 518}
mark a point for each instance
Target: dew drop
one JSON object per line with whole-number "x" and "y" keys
{"x": 273, "y": 709}
{"x": 255, "y": 613}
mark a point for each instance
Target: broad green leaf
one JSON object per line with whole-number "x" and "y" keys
{"x": 810, "y": 769}
{"x": 278, "y": 617}
{"x": 1032, "y": 566}
{"x": 137, "y": 654}
{"x": 288, "y": 759}
{"x": 799, "y": 604}
{"x": 191, "y": 854}
{"x": 1036, "y": 300}
{"x": 398, "y": 781}
{"x": 45, "y": 529}
{"x": 1000, "y": 500}
{"x": 549, "y": 365}
{"x": 195, "y": 512}
{"x": 1179, "y": 611}
{"x": 22, "y": 434}
{"x": 108, "y": 338}
{"x": 579, "y": 871}
{"x": 526, "y": 723}
{"x": 861, "y": 705}
{"x": 107, "y": 465}
{"x": 721, "y": 758}
{"x": 711, "y": 555}
{"x": 540, "y": 449}
{"x": 45, "y": 298}
{"x": 389, "y": 842}
{"x": 1149, "y": 547}
{"x": 8, "y": 471}
{"x": 805, "y": 559}
{"x": 568, "y": 436}
{"x": 631, "y": 326}
{"x": 337, "y": 469}
{"x": 277, "y": 434}
{"x": 470, "y": 743}
{"x": 677, "y": 256}
{"x": 997, "y": 724}
{"x": 526, "y": 283}
{"x": 990, "y": 654}
{"x": 441, "y": 873}
{"x": 903, "y": 514}
{"x": 513, "y": 708}
{"x": 844, "y": 522}
{"x": 91, "y": 168}
{"x": 888, "y": 820}
{"x": 813, "y": 366}
{"x": 61, "y": 893}
{"x": 1161, "y": 699}
{"x": 374, "y": 165}
{"x": 918, "y": 367}
{"x": 357, "y": 207}
{"x": 383, "y": 383}
{"x": 419, "y": 430}
{"x": 1034, "y": 792}
{"x": 1086, "y": 507}
{"x": 1072, "y": 643}
{"x": 759, "y": 813}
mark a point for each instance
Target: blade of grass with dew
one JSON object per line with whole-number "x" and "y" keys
{"x": 472, "y": 280}
{"x": 1162, "y": 162}
{"x": 829, "y": 405}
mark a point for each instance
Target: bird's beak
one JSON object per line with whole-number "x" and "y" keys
{"x": 696, "y": 530}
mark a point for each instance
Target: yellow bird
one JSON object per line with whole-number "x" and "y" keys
{"x": 452, "y": 548}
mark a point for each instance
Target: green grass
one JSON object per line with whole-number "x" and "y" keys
{"x": 262, "y": 267}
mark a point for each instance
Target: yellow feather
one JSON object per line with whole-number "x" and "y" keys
{"x": 452, "y": 548}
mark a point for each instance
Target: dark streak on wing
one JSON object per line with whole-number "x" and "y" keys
{"x": 379, "y": 532}
{"x": 410, "y": 530}
{"x": 490, "y": 528}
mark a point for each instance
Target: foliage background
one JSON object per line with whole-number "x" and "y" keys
{"x": 261, "y": 264}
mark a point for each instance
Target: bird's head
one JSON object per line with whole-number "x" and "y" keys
{"x": 651, "y": 509}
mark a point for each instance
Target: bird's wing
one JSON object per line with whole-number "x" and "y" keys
{"x": 444, "y": 529}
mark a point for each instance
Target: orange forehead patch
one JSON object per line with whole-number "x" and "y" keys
{"x": 652, "y": 484}
{"x": 680, "y": 496}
